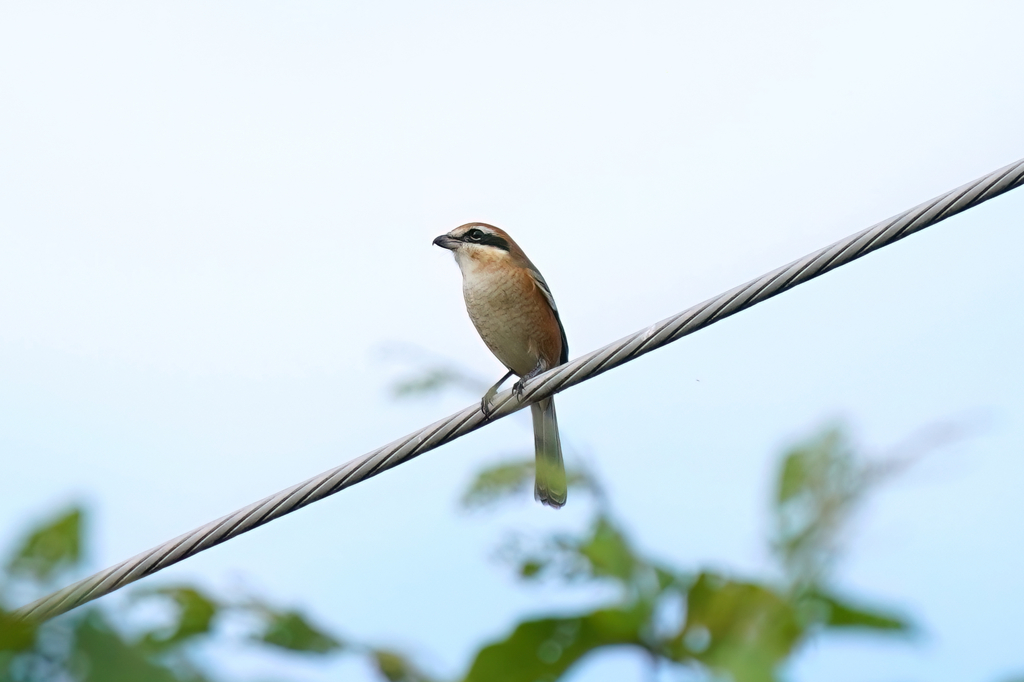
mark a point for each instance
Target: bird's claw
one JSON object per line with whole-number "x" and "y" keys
{"x": 485, "y": 402}
{"x": 517, "y": 389}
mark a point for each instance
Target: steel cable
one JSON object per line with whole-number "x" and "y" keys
{"x": 553, "y": 381}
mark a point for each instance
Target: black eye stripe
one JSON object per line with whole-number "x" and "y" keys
{"x": 495, "y": 241}
{"x": 476, "y": 236}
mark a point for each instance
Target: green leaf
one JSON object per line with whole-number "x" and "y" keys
{"x": 503, "y": 480}
{"x": 50, "y": 548}
{"x": 101, "y": 655}
{"x": 542, "y": 650}
{"x": 793, "y": 477}
{"x": 838, "y": 613}
{"x": 819, "y": 486}
{"x": 823, "y": 462}
{"x": 743, "y": 629}
{"x": 15, "y": 634}
{"x": 194, "y": 615}
{"x": 604, "y": 552}
{"x": 290, "y": 630}
{"x": 668, "y": 578}
{"x": 608, "y": 552}
{"x": 397, "y": 668}
{"x": 531, "y": 567}
{"x": 514, "y": 478}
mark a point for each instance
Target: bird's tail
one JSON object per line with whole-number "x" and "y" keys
{"x": 551, "y": 488}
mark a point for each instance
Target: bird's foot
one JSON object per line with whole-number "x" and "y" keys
{"x": 485, "y": 402}
{"x": 517, "y": 388}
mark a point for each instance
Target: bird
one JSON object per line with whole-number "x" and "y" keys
{"x": 512, "y": 308}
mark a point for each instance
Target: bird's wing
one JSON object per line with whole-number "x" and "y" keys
{"x": 546, "y": 290}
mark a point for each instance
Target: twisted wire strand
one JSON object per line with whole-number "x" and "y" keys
{"x": 549, "y": 383}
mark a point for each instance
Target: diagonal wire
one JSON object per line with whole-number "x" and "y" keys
{"x": 552, "y": 381}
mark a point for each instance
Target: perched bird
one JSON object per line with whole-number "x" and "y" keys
{"x": 513, "y": 310}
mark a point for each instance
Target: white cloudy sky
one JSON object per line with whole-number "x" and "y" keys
{"x": 215, "y": 219}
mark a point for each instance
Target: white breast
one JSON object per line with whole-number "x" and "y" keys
{"x": 496, "y": 306}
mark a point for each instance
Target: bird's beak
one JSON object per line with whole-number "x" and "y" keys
{"x": 446, "y": 242}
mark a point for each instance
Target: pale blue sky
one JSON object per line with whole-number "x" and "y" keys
{"x": 215, "y": 216}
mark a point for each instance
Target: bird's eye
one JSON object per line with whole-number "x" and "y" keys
{"x": 474, "y": 235}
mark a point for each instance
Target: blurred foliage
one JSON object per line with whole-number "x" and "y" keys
{"x": 102, "y": 654}
{"x": 49, "y": 549}
{"x": 396, "y": 667}
{"x": 545, "y": 649}
{"x": 818, "y": 489}
{"x": 507, "y": 479}
{"x": 513, "y": 479}
{"x": 194, "y": 613}
{"x": 436, "y": 379}
{"x": 744, "y": 630}
{"x": 15, "y": 635}
{"x": 94, "y": 644}
{"x": 291, "y": 630}
{"x": 727, "y": 627}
